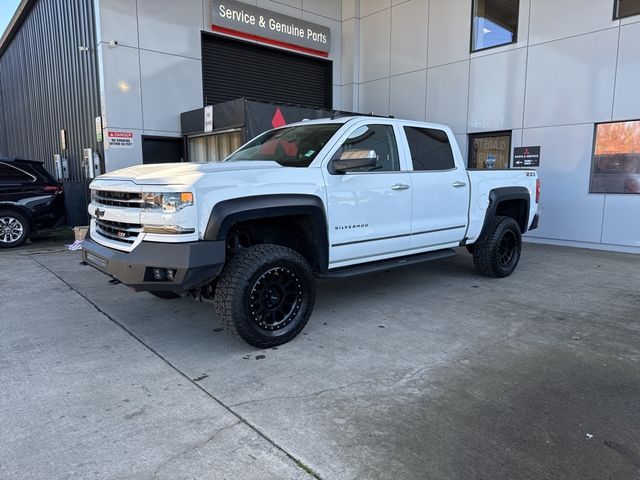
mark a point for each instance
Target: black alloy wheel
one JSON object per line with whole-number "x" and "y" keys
{"x": 275, "y": 298}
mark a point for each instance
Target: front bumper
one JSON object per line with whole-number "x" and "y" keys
{"x": 195, "y": 263}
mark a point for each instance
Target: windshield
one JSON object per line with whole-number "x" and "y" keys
{"x": 288, "y": 146}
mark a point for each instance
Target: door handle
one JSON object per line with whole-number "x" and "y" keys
{"x": 400, "y": 186}
{"x": 459, "y": 184}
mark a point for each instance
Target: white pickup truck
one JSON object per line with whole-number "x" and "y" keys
{"x": 322, "y": 198}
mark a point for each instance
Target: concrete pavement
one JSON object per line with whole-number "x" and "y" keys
{"x": 426, "y": 372}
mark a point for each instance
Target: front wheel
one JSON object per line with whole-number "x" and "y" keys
{"x": 499, "y": 254}
{"x": 265, "y": 295}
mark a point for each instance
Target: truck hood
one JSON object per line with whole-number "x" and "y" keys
{"x": 181, "y": 173}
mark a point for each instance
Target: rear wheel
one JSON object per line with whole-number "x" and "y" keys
{"x": 165, "y": 295}
{"x": 265, "y": 295}
{"x": 499, "y": 254}
{"x": 14, "y": 229}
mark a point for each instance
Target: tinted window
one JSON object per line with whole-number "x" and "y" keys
{"x": 377, "y": 141}
{"x": 430, "y": 149}
{"x": 626, "y": 8}
{"x": 495, "y": 22}
{"x": 289, "y": 146}
{"x": 489, "y": 150}
{"x": 9, "y": 174}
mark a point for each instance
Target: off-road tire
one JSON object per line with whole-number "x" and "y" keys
{"x": 491, "y": 257}
{"x": 23, "y": 223}
{"x": 237, "y": 289}
{"x": 165, "y": 295}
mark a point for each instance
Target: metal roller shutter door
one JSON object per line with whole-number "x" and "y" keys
{"x": 234, "y": 69}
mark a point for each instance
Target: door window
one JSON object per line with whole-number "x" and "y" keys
{"x": 430, "y": 149}
{"x": 377, "y": 141}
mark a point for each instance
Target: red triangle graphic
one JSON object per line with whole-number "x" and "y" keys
{"x": 278, "y": 120}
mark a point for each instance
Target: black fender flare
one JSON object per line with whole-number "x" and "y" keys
{"x": 227, "y": 213}
{"x": 498, "y": 195}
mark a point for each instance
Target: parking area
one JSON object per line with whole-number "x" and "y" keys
{"x": 426, "y": 372}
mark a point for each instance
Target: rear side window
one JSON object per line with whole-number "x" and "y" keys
{"x": 430, "y": 149}
{"x": 11, "y": 174}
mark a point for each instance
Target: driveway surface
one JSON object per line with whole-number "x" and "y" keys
{"x": 427, "y": 372}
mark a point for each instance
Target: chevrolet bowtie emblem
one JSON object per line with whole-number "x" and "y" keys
{"x": 98, "y": 213}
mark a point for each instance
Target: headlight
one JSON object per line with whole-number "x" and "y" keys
{"x": 167, "y": 201}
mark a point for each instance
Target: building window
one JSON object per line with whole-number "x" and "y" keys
{"x": 616, "y": 158}
{"x": 626, "y": 8}
{"x": 489, "y": 150}
{"x": 430, "y": 149}
{"x": 494, "y": 23}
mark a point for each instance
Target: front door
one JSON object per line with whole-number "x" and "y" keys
{"x": 369, "y": 208}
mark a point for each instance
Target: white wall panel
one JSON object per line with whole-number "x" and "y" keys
{"x": 367, "y": 7}
{"x": 449, "y": 31}
{"x": 348, "y": 9}
{"x": 122, "y": 105}
{"x": 408, "y": 94}
{"x": 286, "y": 8}
{"x": 348, "y": 46}
{"x": 447, "y": 91}
{"x": 375, "y": 32}
{"x": 117, "y": 158}
{"x": 496, "y": 91}
{"x": 409, "y": 36}
{"x": 621, "y": 225}
{"x": 571, "y": 80}
{"x": 627, "y": 95}
{"x": 336, "y": 41}
{"x": 554, "y": 19}
{"x": 291, "y": 3}
{"x": 118, "y": 22}
{"x": 326, "y": 8}
{"x": 567, "y": 210}
{"x": 170, "y": 85}
{"x": 347, "y": 98}
{"x": 170, "y": 27}
{"x": 374, "y": 97}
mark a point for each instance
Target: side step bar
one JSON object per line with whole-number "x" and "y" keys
{"x": 389, "y": 264}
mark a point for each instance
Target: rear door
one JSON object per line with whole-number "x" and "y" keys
{"x": 369, "y": 209}
{"x": 439, "y": 185}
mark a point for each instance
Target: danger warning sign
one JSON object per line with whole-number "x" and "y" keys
{"x": 120, "y": 140}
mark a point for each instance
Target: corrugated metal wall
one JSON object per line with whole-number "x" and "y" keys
{"x": 49, "y": 82}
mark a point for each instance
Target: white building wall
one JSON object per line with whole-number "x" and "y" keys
{"x": 571, "y": 67}
{"x": 155, "y": 71}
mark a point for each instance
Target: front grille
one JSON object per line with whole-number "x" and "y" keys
{"x": 118, "y": 199}
{"x": 118, "y": 231}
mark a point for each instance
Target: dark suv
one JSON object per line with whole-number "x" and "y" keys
{"x": 31, "y": 201}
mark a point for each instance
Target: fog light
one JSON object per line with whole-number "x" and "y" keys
{"x": 159, "y": 274}
{"x": 170, "y": 274}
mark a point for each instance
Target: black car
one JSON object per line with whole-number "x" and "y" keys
{"x": 31, "y": 201}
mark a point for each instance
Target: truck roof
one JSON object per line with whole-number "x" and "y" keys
{"x": 353, "y": 118}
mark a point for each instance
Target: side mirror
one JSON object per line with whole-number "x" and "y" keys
{"x": 355, "y": 159}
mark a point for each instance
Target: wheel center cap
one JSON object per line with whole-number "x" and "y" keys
{"x": 271, "y": 297}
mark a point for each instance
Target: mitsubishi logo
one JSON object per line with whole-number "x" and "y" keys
{"x": 278, "y": 119}
{"x": 98, "y": 213}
